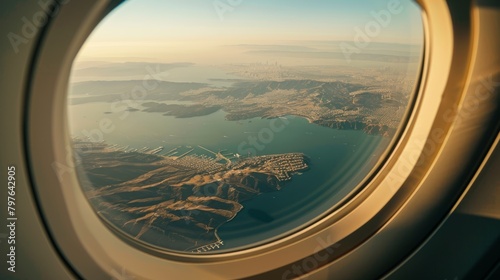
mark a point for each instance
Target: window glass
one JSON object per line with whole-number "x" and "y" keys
{"x": 207, "y": 126}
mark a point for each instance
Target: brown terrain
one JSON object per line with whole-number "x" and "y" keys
{"x": 179, "y": 202}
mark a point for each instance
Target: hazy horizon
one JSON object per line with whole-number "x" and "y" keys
{"x": 196, "y": 32}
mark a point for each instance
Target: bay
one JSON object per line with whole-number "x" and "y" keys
{"x": 338, "y": 160}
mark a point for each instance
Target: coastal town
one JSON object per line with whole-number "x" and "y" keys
{"x": 187, "y": 191}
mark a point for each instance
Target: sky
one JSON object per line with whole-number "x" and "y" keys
{"x": 201, "y": 30}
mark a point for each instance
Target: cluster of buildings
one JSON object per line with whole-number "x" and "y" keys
{"x": 286, "y": 164}
{"x": 281, "y": 166}
{"x": 390, "y": 116}
{"x": 202, "y": 164}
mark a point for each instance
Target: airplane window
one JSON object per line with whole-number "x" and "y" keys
{"x": 211, "y": 126}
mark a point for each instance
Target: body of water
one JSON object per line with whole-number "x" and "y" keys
{"x": 338, "y": 160}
